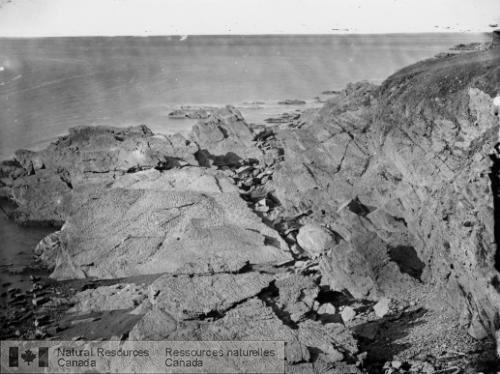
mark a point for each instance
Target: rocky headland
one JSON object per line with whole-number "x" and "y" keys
{"x": 364, "y": 234}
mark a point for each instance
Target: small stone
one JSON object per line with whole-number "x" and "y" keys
{"x": 296, "y": 251}
{"x": 261, "y": 208}
{"x": 347, "y": 314}
{"x": 382, "y": 307}
{"x": 476, "y": 329}
{"x": 327, "y": 308}
{"x": 362, "y": 357}
{"x": 314, "y": 239}
{"x": 39, "y": 333}
{"x": 242, "y": 169}
{"x": 396, "y": 364}
{"x": 316, "y": 306}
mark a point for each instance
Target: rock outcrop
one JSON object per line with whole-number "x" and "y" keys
{"x": 402, "y": 174}
{"x": 41, "y": 183}
{"x": 225, "y": 139}
{"x": 168, "y": 223}
{"x": 304, "y": 232}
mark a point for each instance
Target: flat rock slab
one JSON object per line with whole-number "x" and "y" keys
{"x": 107, "y": 298}
{"x": 123, "y": 232}
{"x": 186, "y": 297}
{"x": 185, "y": 179}
{"x": 104, "y": 149}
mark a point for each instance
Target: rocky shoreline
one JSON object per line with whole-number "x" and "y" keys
{"x": 361, "y": 233}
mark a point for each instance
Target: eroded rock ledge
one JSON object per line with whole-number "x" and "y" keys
{"x": 376, "y": 206}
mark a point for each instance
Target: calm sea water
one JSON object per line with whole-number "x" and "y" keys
{"x": 49, "y": 85}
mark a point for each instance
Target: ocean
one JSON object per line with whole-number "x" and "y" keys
{"x": 48, "y": 85}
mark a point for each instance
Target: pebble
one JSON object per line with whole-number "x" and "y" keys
{"x": 396, "y": 364}
{"x": 242, "y": 169}
{"x": 327, "y": 308}
{"x": 261, "y": 209}
{"x": 347, "y": 314}
{"x": 382, "y": 307}
{"x": 362, "y": 356}
{"x": 316, "y": 305}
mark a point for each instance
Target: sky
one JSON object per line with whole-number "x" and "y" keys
{"x": 35, "y": 18}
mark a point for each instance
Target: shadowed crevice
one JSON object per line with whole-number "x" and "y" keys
{"x": 495, "y": 189}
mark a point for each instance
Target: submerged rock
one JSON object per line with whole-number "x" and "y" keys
{"x": 292, "y": 102}
{"x": 192, "y": 112}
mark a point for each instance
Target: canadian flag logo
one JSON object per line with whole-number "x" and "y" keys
{"x": 29, "y": 356}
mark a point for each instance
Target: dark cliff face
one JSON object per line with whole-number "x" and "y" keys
{"x": 439, "y": 129}
{"x": 415, "y": 155}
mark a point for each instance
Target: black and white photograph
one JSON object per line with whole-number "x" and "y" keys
{"x": 250, "y": 186}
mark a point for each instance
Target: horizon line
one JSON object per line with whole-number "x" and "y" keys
{"x": 243, "y": 34}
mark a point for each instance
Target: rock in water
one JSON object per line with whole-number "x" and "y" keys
{"x": 314, "y": 239}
